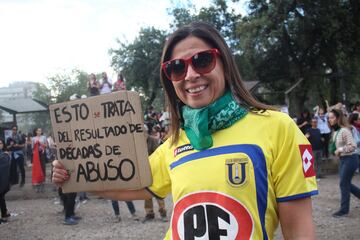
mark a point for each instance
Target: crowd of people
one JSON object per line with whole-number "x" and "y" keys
{"x": 318, "y": 129}
{"x": 336, "y": 132}
{"x": 97, "y": 87}
{"x": 18, "y": 150}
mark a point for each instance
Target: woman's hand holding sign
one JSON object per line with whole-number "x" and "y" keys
{"x": 60, "y": 174}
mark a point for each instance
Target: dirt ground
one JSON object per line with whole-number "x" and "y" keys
{"x": 37, "y": 217}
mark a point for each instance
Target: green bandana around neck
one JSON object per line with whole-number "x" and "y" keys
{"x": 200, "y": 123}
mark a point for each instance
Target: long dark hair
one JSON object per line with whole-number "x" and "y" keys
{"x": 340, "y": 117}
{"x": 233, "y": 80}
{"x": 353, "y": 117}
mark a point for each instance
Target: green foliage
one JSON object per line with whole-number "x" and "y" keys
{"x": 41, "y": 119}
{"x": 1, "y": 115}
{"x": 140, "y": 63}
{"x": 63, "y": 85}
{"x": 314, "y": 40}
{"x": 42, "y": 93}
{"x": 218, "y": 14}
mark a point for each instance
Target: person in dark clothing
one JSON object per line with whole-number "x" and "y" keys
{"x": 93, "y": 85}
{"x": 314, "y": 136}
{"x": 131, "y": 207}
{"x": 303, "y": 121}
{"x": 4, "y": 180}
{"x": 68, "y": 200}
{"x": 16, "y": 143}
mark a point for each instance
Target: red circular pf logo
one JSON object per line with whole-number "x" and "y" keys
{"x": 210, "y": 215}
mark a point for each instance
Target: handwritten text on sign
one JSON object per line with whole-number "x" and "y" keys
{"x": 104, "y": 136}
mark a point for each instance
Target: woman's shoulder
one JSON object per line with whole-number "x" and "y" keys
{"x": 345, "y": 130}
{"x": 271, "y": 116}
{"x": 272, "y": 122}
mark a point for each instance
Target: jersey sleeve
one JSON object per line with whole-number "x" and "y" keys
{"x": 161, "y": 185}
{"x": 293, "y": 167}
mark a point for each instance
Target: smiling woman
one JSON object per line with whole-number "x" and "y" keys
{"x": 234, "y": 166}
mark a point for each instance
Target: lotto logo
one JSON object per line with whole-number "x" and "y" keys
{"x": 307, "y": 160}
{"x": 210, "y": 215}
{"x": 183, "y": 149}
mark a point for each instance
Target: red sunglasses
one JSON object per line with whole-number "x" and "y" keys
{"x": 202, "y": 62}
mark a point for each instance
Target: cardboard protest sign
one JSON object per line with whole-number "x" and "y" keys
{"x": 101, "y": 142}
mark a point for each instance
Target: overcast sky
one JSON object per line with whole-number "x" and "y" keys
{"x": 40, "y": 38}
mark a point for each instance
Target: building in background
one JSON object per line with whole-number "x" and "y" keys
{"x": 15, "y": 101}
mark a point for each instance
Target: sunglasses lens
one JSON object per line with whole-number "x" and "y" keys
{"x": 178, "y": 69}
{"x": 203, "y": 62}
{"x": 175, "y": 70}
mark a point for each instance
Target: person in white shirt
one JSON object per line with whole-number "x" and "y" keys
{"x": 323, "y": 124}
{"x": 106, "y": 84}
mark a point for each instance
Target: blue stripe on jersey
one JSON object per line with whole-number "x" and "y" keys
{"x": 298, "y": 196}
{"x": 257, "y": 157}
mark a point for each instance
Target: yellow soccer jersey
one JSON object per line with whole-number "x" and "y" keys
{"x": 231, "y": 190}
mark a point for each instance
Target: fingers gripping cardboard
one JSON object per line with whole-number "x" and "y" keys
{"x": 101, "y": 142}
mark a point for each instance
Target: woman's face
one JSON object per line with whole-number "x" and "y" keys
{"x": 38, "y": 131}
{"x": 357, "y": 121}
{"x": 198, "y": 90}
{"x": 92, "y": 77}
{"x": 321, "y": 111}
{"x": 332, "y": 119}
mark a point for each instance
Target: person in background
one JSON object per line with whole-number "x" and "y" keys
{"x": 152, "y": 145}
{"x": 357, "y": 107}
{"x": 39, "y": 145}
{"x": 214, "y": 164}
{"x": 150, "y": 119}
{"x": 120, "y": 83}
{"x": 314, "y": 136}
{"x": 354, "y": 120}
{"x": 345, "y": 149}
{"x": 164, "y": 121}
{"x": 51, "y": 153}
{"x": 15, "y": 144}
{"x": 83, "y": 198}
{"x": 4, "y": 180}
{"x": 93, "y": 85}
{"x": 303, "y": 121}
{"x": 29, "y": 149}
{"x": 323, "y": 125}
{"x": 68, "y": 200}
{"x": 105, "y": 86}
{"x": 130, "y": 205}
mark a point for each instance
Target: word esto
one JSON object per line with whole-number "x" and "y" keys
{"x": 81, "y": 111}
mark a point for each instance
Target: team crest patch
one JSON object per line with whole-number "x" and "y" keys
{"x": 182, "y": 149}
{"x": 307, "y": 158}
{"x": 236, "y": 170}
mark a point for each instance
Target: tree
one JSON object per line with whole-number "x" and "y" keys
{"x": 218, "y": 14}
{"x": 1, "y": 115}
{"x": 291, "y": 40}
{"x": 140, "y": 63}
{"x": 40, "y": 119}
{"x": 63, "y": 85}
